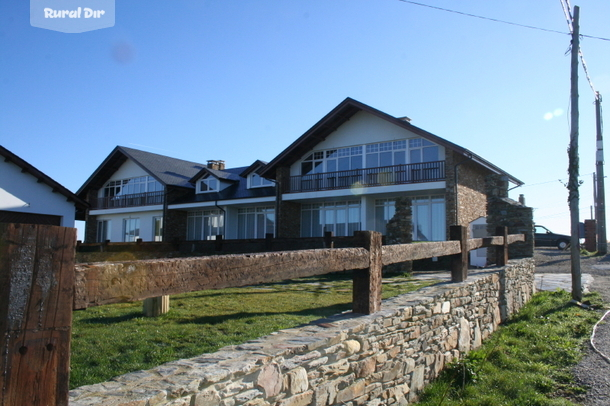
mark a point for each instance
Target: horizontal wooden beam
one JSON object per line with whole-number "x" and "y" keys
{"x": 392, "y": 254}
{"x": 105, "y": 283}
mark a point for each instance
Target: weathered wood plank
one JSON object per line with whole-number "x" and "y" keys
{"x": 392, "y": 254}
{"x": 105, "y": 283}
{"x": 37, "y": 277}
{"x": 512, "y": 238}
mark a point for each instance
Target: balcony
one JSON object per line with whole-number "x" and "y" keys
{"x": 133, "y": 200}
{"x": 382, "y": 176}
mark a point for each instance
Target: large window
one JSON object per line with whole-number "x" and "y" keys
{"x": 414, "y": 150}
{"x": 131, "y": 229}
{"x": 204, "y": 225}
{"x": 141, "y": 184}
{"x": 422, "y": 150}
{"x": 429, "y": 218}
{"x": 103, "y": 230}
{"x": 255, "y": 222}
{"x": 157, "y": 228}
{"x": 341, "y": 218}
{"x": 384, "y": 211}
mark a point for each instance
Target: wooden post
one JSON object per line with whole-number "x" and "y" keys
{"x": 459, "y": 262}
{"x": 573, "y": 165}
{"x": 502, "y": 250}
{"x": 37, "y": 282}
{"x": 367, "y": 282}
{"x": 155, "y": 306}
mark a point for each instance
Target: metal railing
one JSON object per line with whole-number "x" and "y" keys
{"x": 133, "y": 200}
{"x": 381, "y": 176}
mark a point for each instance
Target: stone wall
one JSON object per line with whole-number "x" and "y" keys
{"x": 381, "y": 359}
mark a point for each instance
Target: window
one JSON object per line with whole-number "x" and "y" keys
{"x": 384, "y": 211}
{"x": 429, "y": 218}
{"x": 103, "y": 230}
{"x": 204, "y": 225}
{"x": 157, "y": 228}
{"x": 209, "y": 185}
{"x": 257, "y": 181}
{"x": 255, "y": 222}
{"x": 341, "y": 218}
{"x": 422, "y": 150}
{"x": 141, "y": 184}
{"x": 131, "y": 230}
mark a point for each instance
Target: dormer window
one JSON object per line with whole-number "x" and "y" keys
{"x": 257, "y": 181}
{"x": 209, "y": 184}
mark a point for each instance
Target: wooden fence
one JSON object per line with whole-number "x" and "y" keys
{"x": 41, "y": 286}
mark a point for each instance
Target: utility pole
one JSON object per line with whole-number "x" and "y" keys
{"x": 573, "y": 183}
{"x": 600, "y": 201}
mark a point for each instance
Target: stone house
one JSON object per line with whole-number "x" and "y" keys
{"x": 344, "y": 174}
{"x": 29, "y": 196}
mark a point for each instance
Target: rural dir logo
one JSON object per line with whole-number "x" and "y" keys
{"x": 72, "y": 16}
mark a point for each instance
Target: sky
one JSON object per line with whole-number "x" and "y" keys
{"x": 240, "y": 80}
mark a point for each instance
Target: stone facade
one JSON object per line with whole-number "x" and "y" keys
{"x": 505, "y": 212}
{"x": 384, "y": 358}
{"x": 467, "y": 201}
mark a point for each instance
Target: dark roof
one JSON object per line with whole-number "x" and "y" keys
{"x": 168, "y": 171}
{"x": 255, "y": 167}
{"x": 79, "y": 204}
{"x": 220, "y": 174}
{"x": 342, "y": 113}
{"x": 238, "y": 190}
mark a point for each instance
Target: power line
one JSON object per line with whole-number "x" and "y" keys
{"x": 565, "y": 4}
{"x": 500, "y": 21}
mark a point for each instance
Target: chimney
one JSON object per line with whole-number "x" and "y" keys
{"x": 218, "y": 165}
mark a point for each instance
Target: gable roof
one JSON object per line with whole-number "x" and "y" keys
{"x": 79, "y": 204}
{"x": 238, "y": 190}
{"x": 225, "y": 175}
{"x": 168, "y": 171}
{"x": 255, "y": 167}
{"x": 342, "y": 113}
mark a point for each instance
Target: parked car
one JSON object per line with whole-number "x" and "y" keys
{"x": 543, "y": 237}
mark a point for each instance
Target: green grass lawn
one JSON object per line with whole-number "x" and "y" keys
{"x": 526, "y": 362}
{"x": 112, "y": 340}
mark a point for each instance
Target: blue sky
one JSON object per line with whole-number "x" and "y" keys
{"x": 240, "y": 80}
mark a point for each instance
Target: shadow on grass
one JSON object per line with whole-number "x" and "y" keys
{"x": 112, "y": 319}
{"x": 318, "y": 312}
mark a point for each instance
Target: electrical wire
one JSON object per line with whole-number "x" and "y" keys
{"x": 565, "y": 4}
{"x": 604, "y": 356}
{"x": 499, "y": 21}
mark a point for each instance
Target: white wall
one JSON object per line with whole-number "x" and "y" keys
{"x": 128, "y": 170}
{"x": 21, "y": 192}
{"x": 362, "y": 128}
{"x": 146, "y": 224}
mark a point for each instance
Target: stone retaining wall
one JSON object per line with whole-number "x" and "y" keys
{"x": 381, "y": 359}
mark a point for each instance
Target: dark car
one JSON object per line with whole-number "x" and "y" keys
{"x": 543, "y": 237}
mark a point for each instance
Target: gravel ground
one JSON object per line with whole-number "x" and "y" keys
{"x": 593, "y": 371}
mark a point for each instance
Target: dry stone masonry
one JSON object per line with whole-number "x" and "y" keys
{"x": 384, "y": 358}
